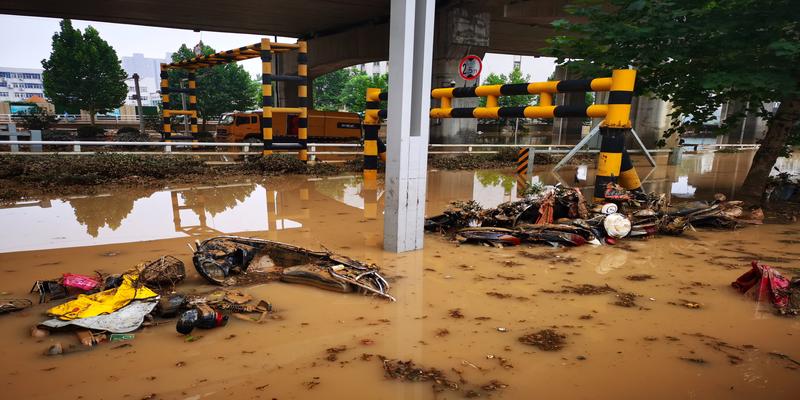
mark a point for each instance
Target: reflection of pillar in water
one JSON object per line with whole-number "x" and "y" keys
{"x": 272, "y": 215}
{"x": 304, "y": 202}
{"x": 176, "y": 211}
{"x": 369, "y": 191}
{"x": 305, "y": 212}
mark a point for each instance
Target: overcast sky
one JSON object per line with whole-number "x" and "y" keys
{"x": 26, "y": 42}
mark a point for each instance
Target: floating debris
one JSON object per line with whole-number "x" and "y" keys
{"x": 455, "y": 313}
{"x": 625, "y": 300}
{"x": 232, "y": 260}
{"x": 639, "y": 277}
{"x": 545, "y": 339}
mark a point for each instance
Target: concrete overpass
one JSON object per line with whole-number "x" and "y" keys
{"x": 341, "y": 33}
{"x": 422, "y": 39}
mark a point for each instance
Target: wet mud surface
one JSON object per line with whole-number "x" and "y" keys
{"x": 455, "y": 331}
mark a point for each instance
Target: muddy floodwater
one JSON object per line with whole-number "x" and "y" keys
{"x": 667, "y": 326}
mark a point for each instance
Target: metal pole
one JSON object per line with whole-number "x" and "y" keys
{"x": 744, "y": 122}
{"x": 183, "y": 104}
{"x": 577, "y": 148}
{"x": 139, "y": 102}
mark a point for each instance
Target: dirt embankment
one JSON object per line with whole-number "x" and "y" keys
{"x": 23, "y": 176}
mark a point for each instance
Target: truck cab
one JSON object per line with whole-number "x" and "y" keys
{"x": 322, "y": 125}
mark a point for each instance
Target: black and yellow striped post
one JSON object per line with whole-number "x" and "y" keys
{"x": 266, "y": 95}
{"x": 166, "y": 126}
{"x": 193, "y": 100}
{"x": 522, "y": 169}
{"x": 369, "y": 191}
{"x": 371, "y": 127}
{"x": 613, "y": 131}
{"x": 628, "y": 178}
{"x": 302, "y": 95}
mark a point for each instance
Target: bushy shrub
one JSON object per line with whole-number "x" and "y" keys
{"x": 90, "y": 132}
{"x": 57, "y": 136}
{"x": 128, "y": 134}
{"x": 127, "y": 129}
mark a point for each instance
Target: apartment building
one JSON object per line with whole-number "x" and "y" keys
{"x": 19, "y": 84}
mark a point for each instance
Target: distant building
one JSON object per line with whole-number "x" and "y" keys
{"x": 149, "y": 70}
{"x": 19, "y": 84}
{"x": 374, "y": 68}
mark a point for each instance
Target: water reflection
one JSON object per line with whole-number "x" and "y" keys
{"x": 134, "y": 214}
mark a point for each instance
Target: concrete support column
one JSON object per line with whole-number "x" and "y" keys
{"x": 650, "y": 118}
{"x": 410, "y": 54}
{"x": 567, "y": 130}
{"x": 747, "y": 130}
{"x": 286, "y": 93}
{"x": 460, "y": 31}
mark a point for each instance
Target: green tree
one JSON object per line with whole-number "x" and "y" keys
{"x": 83, "y": 71}
{"x": 354, "y": 93}
{"x": 515, "y": 76}
{"x": 220, "y": 89}
{"x": 34, "y": 118}
{"x": 698, "y": 54}
{"x": 328, "y": 89}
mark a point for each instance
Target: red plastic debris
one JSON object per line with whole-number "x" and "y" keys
{"x": 81, "y": 282}
{"x": 765, "y": 284}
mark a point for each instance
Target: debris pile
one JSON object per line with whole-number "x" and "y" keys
{"x": 408, "y": 371}
{"x": 106, "y": 308}
{"x": 560, "y": 216}
{"x": 231, "y": 260}
{"x": 545, "y": 339}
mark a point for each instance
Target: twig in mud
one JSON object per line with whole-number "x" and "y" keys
{"x": 784, "y": 357}
{"x": 467, "y": 363}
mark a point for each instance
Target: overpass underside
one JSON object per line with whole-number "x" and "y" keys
{"x": 422, "y": 39}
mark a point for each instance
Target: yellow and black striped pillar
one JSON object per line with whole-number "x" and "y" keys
{"x": 165, "y": 119}
{"x": 371, "y": 127}
{"x": 628, "y": 178}
{"x": 381, "y": 149}
{"x": 613, "y": 129}
{"x": 266, "y": 95}
{"x": 522, "y": 168}
{"x": 369, "y": 191}
{"x": 193, "y": 100}
{"x": 302, "y": 96}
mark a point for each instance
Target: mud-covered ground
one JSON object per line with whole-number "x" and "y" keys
{"x": 652, "y": 318}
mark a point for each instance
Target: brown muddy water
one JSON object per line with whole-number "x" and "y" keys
{"x": 657, "y": 348}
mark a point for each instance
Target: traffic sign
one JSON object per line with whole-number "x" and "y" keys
{"x": 470, "y": 67}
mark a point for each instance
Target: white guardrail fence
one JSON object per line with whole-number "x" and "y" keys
{"x": 77, "y": 147}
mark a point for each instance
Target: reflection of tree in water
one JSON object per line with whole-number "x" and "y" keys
{"x": 216, "y": 200}
{"x": 494, "y": 178}
{"x": 101, "y": 211}
{"x": 335, "y": 188}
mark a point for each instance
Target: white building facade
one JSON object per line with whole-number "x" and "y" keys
{"x": 149, "y": 70}
{"x": 374, "y": 68}
{"x": 19, "y": 84}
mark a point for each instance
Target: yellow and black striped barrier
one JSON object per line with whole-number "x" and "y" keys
{"x": 371, "y": 127}
{"x": 522, "y": 167}
{"x": 613, "y": 164}
{"x": 264, "y": 49}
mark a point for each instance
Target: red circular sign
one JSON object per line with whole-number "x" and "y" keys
{"x": 470, "y": 67}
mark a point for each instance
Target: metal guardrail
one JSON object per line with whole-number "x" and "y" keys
{"x": 314, "y": 148}
{"x": 81, "y": 118}
{"x": 715, "y": 146}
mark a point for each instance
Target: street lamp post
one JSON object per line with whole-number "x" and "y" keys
{"x": 139, "y": 103}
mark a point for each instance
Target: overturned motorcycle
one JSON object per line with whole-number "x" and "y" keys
{"x": 232, "y": 260}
